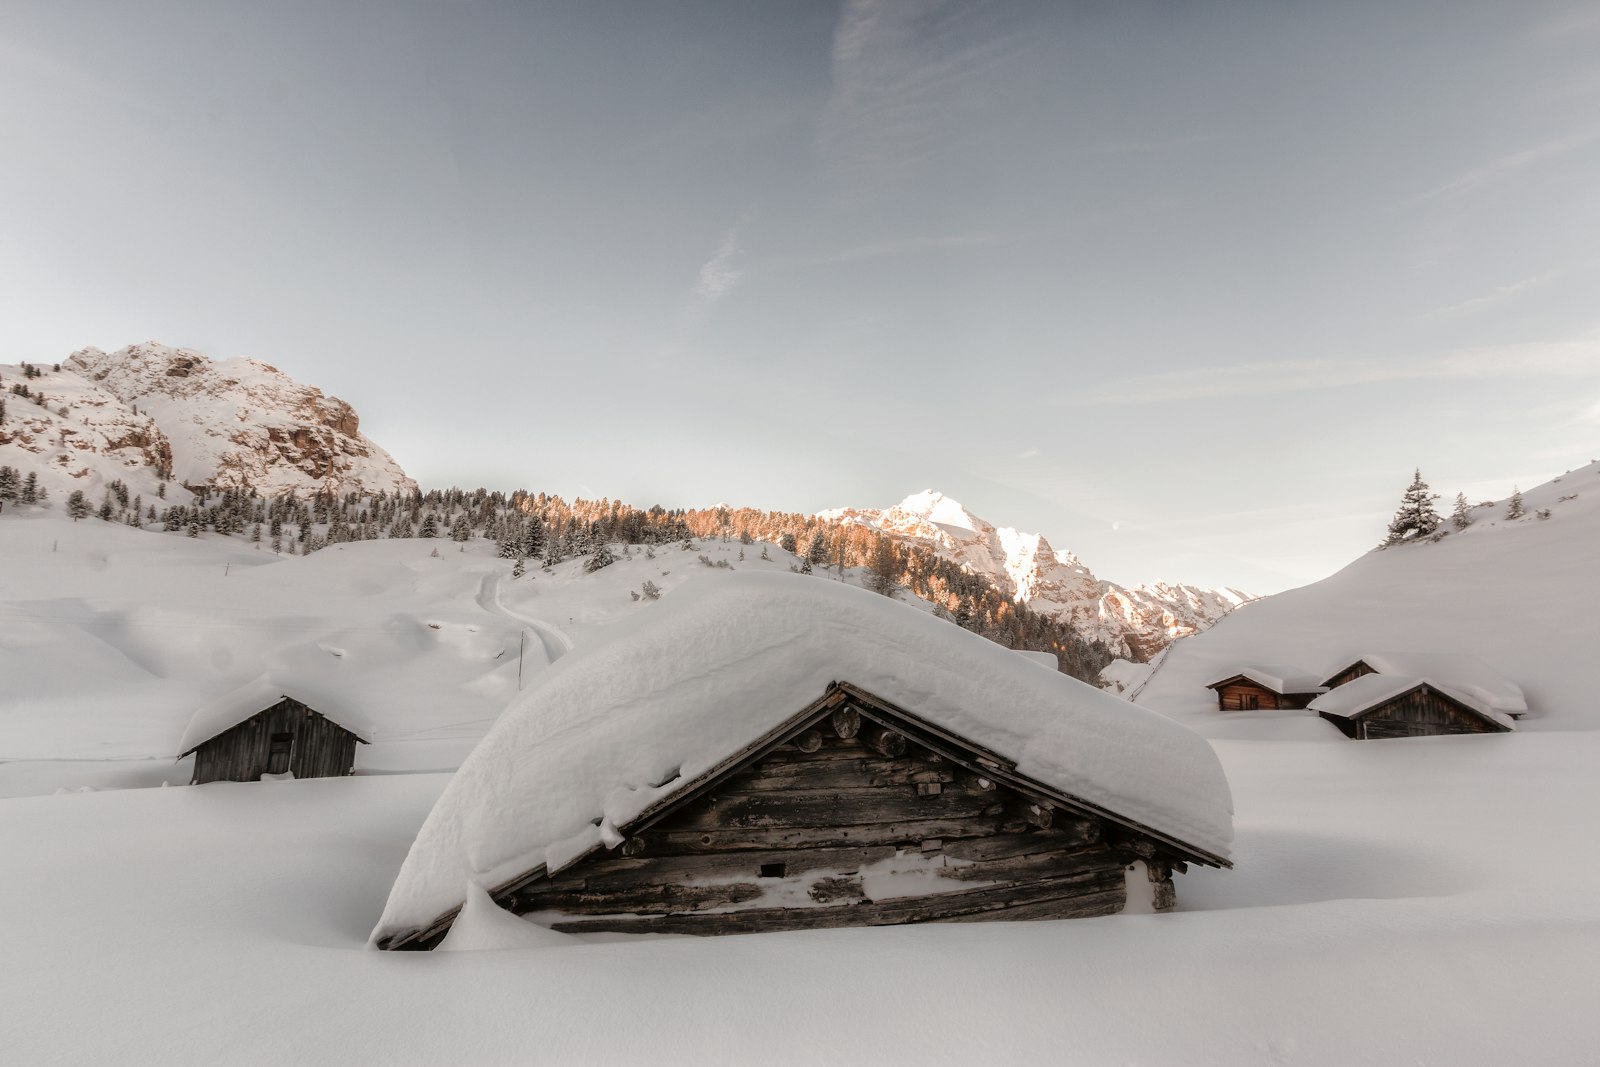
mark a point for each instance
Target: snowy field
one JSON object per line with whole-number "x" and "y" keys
{"x": 1419, "y": 901}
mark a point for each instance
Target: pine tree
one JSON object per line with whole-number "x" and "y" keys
{"x": 31, "y": 493}
{"x": 883, "y": 567}
{"x": 430, "y": 526}
{"x": 1416, "y": 517}
{"x": 519, "y": 569}
{"x": 8, "y": 483}
{"x": 602, "y": 557}
{"x": 461, "y": 529}
{"x": 1514, "y": 507}
{"x": 77, "y": 506}
{"x": 1461, "y": 517}
{"x": 650, "y": 591}
{"x": 817, "y": 551}
{"x": 788, "y": 543}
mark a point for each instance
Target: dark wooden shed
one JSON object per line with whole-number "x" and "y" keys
{"x": 855, "y": 812}
{"x": 263, "y": 730}
{"x": 1265, "y": 688}
{"x": 1375, "y": 706}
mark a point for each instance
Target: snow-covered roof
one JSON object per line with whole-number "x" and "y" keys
{"x": 237, "y": 705}
{"x": 1454, "y": 671}
{"x": 1277, "y": 677}
{"x": 617, "y": 727}
{"x": 1043, "y": 659}
{"x": 1357, "y": 697}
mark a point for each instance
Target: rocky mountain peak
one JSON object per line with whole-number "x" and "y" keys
{"x": 243, "y": 423}
{"x": 1133, "y": 622}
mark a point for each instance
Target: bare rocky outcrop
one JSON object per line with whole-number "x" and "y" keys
{"x": 242, "y": 423}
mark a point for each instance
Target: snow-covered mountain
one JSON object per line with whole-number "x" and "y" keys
{"x": 1517, "y": 593}
{"x": 1134, "y": 622}
{"x": 149, "y": 413}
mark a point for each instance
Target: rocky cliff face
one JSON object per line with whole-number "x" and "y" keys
{"x": 241, "y": 423}
{"x": 73, "y": 434}
{"x": 1134, "y": 622}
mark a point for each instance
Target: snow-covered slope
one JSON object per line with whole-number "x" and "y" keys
{"x": 74, "y": 434}
{"x": 1521, "y": 595}
{"x": 111, "y": 637}
{"x": 238, "y": 423}
{"x": 1137, "y": 621}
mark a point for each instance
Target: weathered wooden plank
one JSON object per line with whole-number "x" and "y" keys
{"x": 839, "y": 807}
{"x": 1065, "y": 834}
{"x": 1095, "y": 894}
{"x": 642, "y": 900}
{"x": 859, "y": 772}
{"x": 778, "y": 838}
{"x": 654, "y": 869}
{"x": 1035, "y": 866}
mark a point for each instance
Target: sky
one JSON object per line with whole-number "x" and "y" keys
{"x": 1190, "y": 289}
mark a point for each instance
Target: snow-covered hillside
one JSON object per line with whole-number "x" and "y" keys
{"x": 112, "y": 636}
{"x": 1136, "y": 622}
{"x": 1519, "y": 594}
{"x": 149, "y": 413}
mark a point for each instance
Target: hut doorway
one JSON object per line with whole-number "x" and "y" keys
{"x": 278, "y": 755}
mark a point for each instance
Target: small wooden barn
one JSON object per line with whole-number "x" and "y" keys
{"x": 1377, "y": 706}
{"x": 270, "y": 728}
{"x": 850, "y": 808}
{"x": 1269, "y": 686}
{"x": 1453, "y": 671}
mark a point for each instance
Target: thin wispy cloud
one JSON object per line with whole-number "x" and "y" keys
{"x": 1511, "y": 163}
{"x": 1499, "y": 293}
{"x": 896, "y": 66}
{"x": 720, "y": 274}
{"x": 1576, "y": 358}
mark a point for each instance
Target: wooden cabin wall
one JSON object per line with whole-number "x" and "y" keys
{"x": 1422, "y": 712}
{"x": 1350, "y": 674}
{"x": 321, "y": 748}
{"x": 805, "y": 837}
{"x": 1235, "y": 697}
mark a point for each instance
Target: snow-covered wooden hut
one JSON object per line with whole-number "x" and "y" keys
{"x": 1460, "y": 673}
{"x": 768, "y": 752}
{"x": 1388, "y": 705}
{"x": 273, "y": 727}
{"x": 1266, "y": 686}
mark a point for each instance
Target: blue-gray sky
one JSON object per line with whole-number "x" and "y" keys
{"x": 1190, "y": 288}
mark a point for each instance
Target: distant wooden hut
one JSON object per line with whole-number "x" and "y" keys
{"x": 1452, "y": 671}
{"x": 1266, "y": 687}
{"x": 1377, "y": 706}
{"x": 269, "y": 728}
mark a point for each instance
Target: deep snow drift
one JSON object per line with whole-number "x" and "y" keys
{"x": 1411, "y": 901}
{"x": 1520, "y": 595}
{"x": 668, "y": 695}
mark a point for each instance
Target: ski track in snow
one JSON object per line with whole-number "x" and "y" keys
{"x": 556, "y": 644}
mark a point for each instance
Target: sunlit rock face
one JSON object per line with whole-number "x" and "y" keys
{"x": 240, "y": 423}
{"x": 1135, "y": 622}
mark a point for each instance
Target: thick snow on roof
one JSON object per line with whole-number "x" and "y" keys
{"x": 616, "y": 726}
{"x": 1276, "y": 677}
{"x": 237, "y": 705}
{"x": 1465, "y": 673}
{"x": 1367, "y": 692}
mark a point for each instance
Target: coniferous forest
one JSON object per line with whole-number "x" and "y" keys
{"x": 537, "y": 529}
